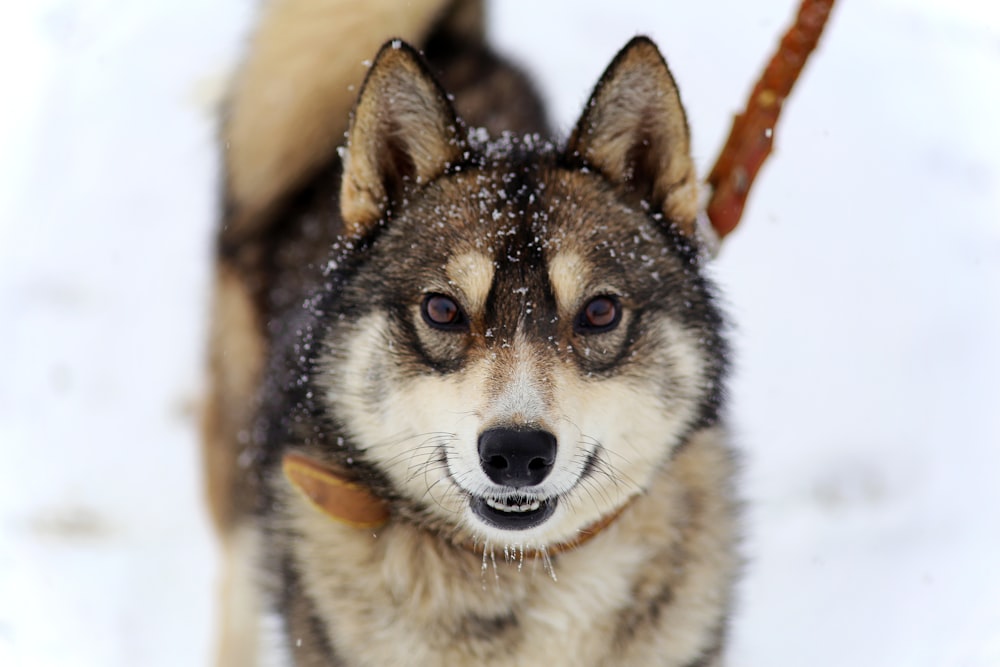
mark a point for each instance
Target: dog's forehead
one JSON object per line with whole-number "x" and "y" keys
{"x": 510, "y": 234}
{"x": 525, "y": 213}
{"x": 525, "y": 232}
{"x": 477, "y": 223}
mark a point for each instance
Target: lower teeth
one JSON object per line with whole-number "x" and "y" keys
{"x": 529, "y": 507}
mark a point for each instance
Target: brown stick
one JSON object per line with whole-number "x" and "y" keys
{"x": 752, "y": 134}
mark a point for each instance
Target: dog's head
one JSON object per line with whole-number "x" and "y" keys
{"x": 521, "y": 334}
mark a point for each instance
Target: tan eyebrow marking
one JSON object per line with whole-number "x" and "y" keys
{"x": 568, "y": 275}
{"x": 473, "y": 273}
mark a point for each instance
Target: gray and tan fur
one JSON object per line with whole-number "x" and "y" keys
{"x": 388, "y": 309}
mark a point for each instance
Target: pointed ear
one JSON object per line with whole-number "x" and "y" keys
{"x": 633, "y": 130}
{"x": 403, "y": 132}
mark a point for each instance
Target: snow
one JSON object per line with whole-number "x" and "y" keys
{"x": 864, "y": 283}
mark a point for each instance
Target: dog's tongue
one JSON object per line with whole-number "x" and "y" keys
{"x": 333, "y": 493}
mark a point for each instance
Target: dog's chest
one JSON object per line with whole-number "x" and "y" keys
{"x": 404, "y": 602}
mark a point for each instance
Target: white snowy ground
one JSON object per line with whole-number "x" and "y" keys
{"x": 865, "y": 282}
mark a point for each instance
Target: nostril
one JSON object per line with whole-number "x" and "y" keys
{"x": 538, "y": 464}
{"x": 498, "y": 462}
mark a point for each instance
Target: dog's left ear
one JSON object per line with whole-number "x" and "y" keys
{"x": 403, "y": 133}
{"x": 634, "y": 131}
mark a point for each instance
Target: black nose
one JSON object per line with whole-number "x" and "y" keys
{"x": 516, "y": 458}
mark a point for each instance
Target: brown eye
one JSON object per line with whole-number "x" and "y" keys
{"x": 442, "y": 312}
{"x": 601, "y": 314}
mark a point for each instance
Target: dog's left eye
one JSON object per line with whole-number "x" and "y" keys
{"x": 441, "y": 312}
{"x": 600, "y": 314}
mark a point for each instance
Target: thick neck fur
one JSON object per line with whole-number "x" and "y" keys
{"x": 656, "y": 583}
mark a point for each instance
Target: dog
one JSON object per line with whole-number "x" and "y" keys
{"x": 467, "y": 382}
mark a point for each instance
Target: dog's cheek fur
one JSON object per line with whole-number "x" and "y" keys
{"x": 629, "y": 431}
{"x": 402, "y": 422}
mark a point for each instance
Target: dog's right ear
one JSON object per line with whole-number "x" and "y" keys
{"x": 634, "y": 131}
{"x": 403, "y": 133}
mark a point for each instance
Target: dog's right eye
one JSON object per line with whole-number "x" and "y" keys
{"x": 441, "y": 312}
{"x": 600, "y": 314}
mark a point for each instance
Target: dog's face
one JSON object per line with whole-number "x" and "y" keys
{"x": 525, "y": 337}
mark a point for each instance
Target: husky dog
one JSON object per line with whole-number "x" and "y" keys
{"x": 466, "y": 382}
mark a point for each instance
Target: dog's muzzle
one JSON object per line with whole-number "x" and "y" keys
{"x": 518, "y": 460}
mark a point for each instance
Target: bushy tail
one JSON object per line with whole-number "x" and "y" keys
{"x": 289, "y": 105}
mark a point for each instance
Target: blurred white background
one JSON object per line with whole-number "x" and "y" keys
{"x": 864, "y": 283}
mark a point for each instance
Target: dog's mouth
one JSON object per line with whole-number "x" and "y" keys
{"x": 514, "y": 512}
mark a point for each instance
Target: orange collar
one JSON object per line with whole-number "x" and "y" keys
{"x": 333, "y": 493}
